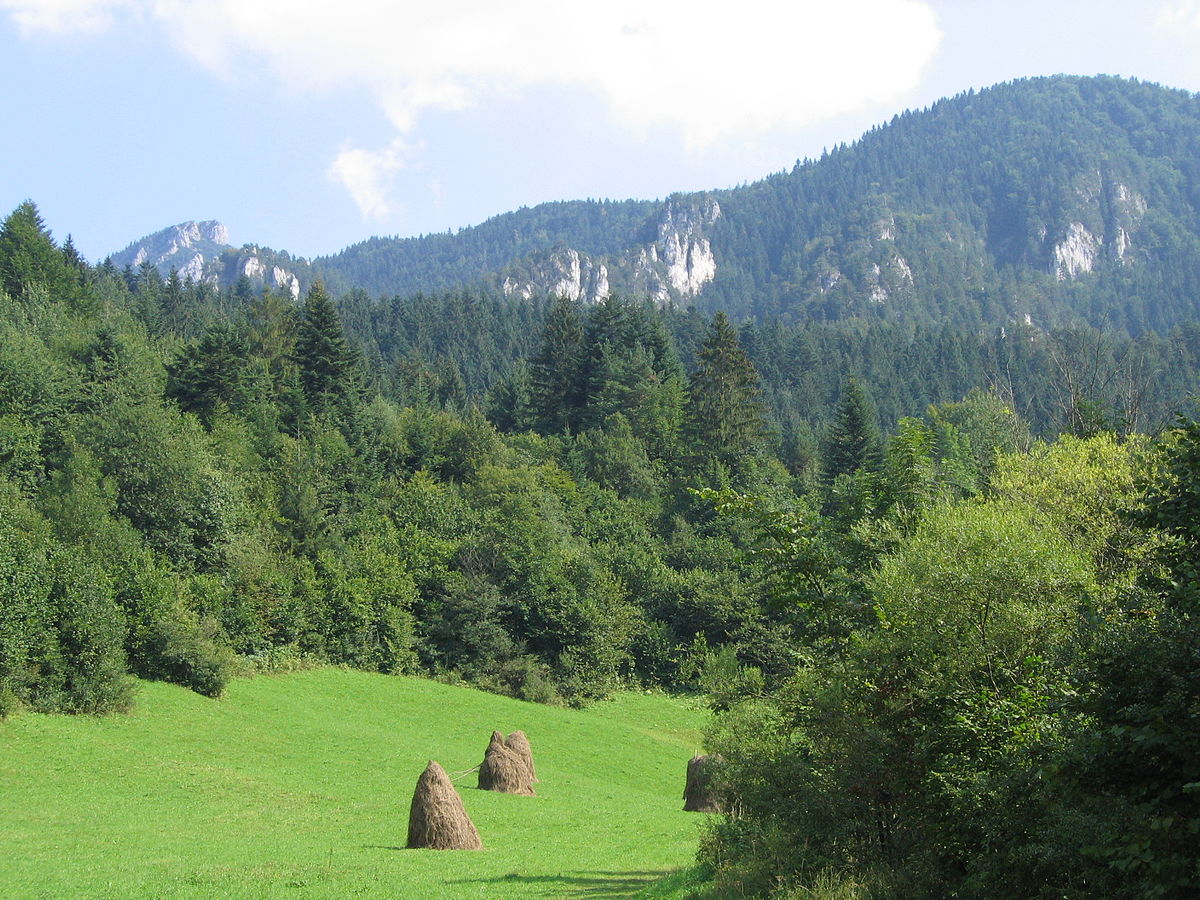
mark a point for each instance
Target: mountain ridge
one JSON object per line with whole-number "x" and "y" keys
{"x": 1052, "y": 200}
{"x": 201, "y": 251}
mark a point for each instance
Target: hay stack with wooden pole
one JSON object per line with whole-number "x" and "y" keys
{"x": 698, "y": 794}
{"x": 504, "y": 770}
{"x": 519, "y": 744}
{"x": 437, "y": 819}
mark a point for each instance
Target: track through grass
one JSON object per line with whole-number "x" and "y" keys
{"x": 299, "y": 785}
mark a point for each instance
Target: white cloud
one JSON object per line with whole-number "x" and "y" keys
{"x": 368, "y": 175}
{"x": 63, "y": 16}
{"x": 1181, "y": 13}
{"x": 708, "y": 70}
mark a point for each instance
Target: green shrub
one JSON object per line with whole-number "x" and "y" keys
{"x": 91, "y": 636}
{"x": 188, "y": 651}
{"x": 523, "y": 677}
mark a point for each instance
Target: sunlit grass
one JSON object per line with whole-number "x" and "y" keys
{"x": 299, "y": 786}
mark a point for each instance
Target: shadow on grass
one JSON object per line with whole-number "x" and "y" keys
{"x": 580, "y": 884}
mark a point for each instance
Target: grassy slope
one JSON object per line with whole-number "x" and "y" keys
{"x": 299, "y": 786}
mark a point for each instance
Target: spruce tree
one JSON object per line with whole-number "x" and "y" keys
{"x": 451, "y": 389}
{"x": 29, "y": 257}
{"x": 328, "y": 367}
{"x": 607, "y": 335}
{"x": 552, "y": 372}
{"x": 171, "y": 303}
{"x": 72, "y": 257}
{"x": 213, "y": 371}
{"x": 724, "y": 415}
{"x": 853, "y": 442}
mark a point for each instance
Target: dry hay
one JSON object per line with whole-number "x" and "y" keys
{"x": 698, "y": 795}
{"x": 504, "y": 770}
{"x": 519, "y": 744}
{"x": 437, "y": 819}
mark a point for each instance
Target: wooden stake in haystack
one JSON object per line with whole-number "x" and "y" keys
{"x": 437, "y": 819}
{"x": 504, "y": 769}
{"x": 698, "y": 795}
{"x": 519, "y": 744}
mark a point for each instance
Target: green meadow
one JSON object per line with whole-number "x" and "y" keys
{"x": 299, "y": 785}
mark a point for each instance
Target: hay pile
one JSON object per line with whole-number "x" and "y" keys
{"x": 519, "y": 744}
{"x": 437, "y": 819}
{"x": 698, "y": 794}
{"x": 504, "y": 769}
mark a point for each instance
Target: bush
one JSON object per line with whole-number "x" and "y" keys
{"x": 9, "y": 702}
{"x": 91, "y": 637}
{"x": 188, "y": 651}
{"x": 727, "y": 681}
{"x": 61, "y": 637}
{"x": 524, "y": 678}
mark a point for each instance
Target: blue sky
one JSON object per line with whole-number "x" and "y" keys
{"x": 308, "y": 125}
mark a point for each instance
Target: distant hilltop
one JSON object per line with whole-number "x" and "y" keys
{"x": 201, "y": 251}
{"x": 1044, "y": 201}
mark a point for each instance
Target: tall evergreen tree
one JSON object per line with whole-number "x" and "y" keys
{"x": 328, "y": 366}
{"x": 273, "y": 319}
{"x": 171, "y": 302}
{"x": 29, "y": 257}
{"x": 451, "y": 389}
{"x": 212, "y": 372}
{"x": 507, "y": 403}
{"x": 147, "y": 285}
{"x": 724, "y": 408}
{"x": 606, "y": 334}
{"x": 552, "y": 371}
{"x": 853, "y": 442}
{"x": 72, "y": 256}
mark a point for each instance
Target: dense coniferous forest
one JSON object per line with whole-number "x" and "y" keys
{"x": 934, "y": 573}
{"x": 976, "y": 194}
{"x": 1068, "y": 200}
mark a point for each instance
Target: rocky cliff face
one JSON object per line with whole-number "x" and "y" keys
{"x": 180, "y": 246}
{"x": 1114, "y": 211}
{"x": 672, "y": 267}
{"x": 250, "y": 264}
{"x": 201, "y": 251}
{"x": 562, "y": 272}
{"x": 1076, "y": 253}
{"x": 680, "y": 262}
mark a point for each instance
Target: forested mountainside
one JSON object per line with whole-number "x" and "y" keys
{"x": 1052, "y": 201}
{"x": 1049, "y": 198}
{"x": 478, "y": 255}
{"x": 1061, "y": 199}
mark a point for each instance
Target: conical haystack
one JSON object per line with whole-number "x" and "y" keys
{"x": 437, "y": 819}
{"x": 504, "y": 770}
{"x": 519, "y": 744}
{"x": 698, "y": 795}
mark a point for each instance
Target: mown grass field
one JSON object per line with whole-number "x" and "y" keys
{"x": 298, "y": 785}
